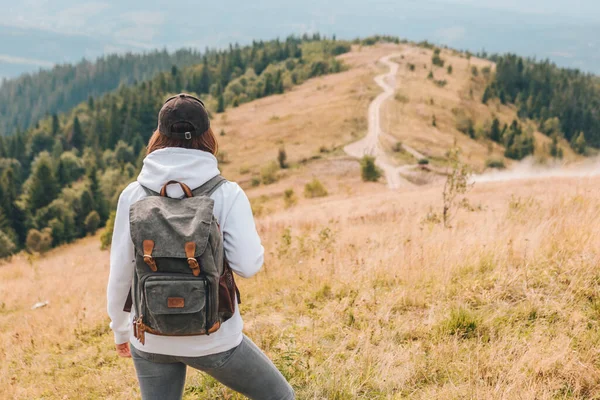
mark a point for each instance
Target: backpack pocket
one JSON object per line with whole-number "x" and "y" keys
{"x": 174, "y": 306}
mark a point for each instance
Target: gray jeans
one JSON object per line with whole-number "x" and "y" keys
{"x": 244, "y": 368}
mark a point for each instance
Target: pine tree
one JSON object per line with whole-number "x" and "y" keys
{"x": 55, "y": 125}
{"x": 495, "y": 132}
{"x": 487, "y": 95}
{"x": 42, "y": 186}
{"x": 10, "y": 190}
{"x": 221, "y": 104}
{"x": 3, "y": 150}
{"x": 100, "y": 203}
{"x": 205, "y": 80}
{"x": 77, "y": 138}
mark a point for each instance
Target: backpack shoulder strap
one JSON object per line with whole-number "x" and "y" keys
{"x": 209, "y": 187}
{"x": 149, "y": 192}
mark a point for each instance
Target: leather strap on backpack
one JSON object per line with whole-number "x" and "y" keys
{"x": 148, "y": 259}
{"x": 186, "y": 189}
{"x": 190, "y": 253}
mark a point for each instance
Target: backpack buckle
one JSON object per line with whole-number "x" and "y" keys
{"x": 148, "y": 259}
{"x": 190, "y": 252}
{"x": 194, "y": 265}
{"x": 151, "y": 262}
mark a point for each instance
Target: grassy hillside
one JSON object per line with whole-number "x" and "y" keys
{"x": 364, "y": 295}
{"x": 368, "y": 302}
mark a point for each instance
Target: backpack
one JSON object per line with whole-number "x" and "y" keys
{"x": 182, "y": 284}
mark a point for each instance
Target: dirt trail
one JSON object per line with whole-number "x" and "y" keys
{"x": 370, "y": 144}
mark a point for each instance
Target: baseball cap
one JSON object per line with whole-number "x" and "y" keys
{"x": 183, "y": 108}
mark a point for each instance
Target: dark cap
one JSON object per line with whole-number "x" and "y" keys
{"x": 183, "y": 108}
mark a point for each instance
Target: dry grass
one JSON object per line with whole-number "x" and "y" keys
{"x": 366, "y": 301}
{"x": 361, "y": 297}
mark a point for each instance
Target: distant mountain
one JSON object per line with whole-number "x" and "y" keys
{"x": 27, "y": 99}
{"x": 65, "y": 30}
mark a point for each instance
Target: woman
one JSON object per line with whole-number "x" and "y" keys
{"x": 183, "y": 149}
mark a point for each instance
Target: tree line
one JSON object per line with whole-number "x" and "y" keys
{"x": 60, "y": 179}
{"x": 564, "y": 102}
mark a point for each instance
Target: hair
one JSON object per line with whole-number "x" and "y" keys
{"x": 205, "y": 142}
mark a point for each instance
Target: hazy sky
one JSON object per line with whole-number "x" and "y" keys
{"x": 39, "y": 33}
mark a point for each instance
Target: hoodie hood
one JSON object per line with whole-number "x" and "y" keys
{"x": 192, "y": 167}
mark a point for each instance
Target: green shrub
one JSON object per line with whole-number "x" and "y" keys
{"x": 92, "y": 222}
{"x": 314, "y": 189}
{"x": 496, "y": 163}
{"x": 106, "y": 237}
{"x": 450, "y": 69}
{"x": 255, "y": 181}
{"x": 39, "y": 242}
{"x": 423, "y": 161}
{"x": 401, "y": 98}
{"x": 268, "y": 174}
{"x": 368, "y": 169}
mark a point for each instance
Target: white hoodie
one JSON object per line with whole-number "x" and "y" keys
{"x": 241, "y": 242}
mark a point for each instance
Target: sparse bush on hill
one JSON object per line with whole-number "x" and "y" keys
{"x": 495, "y": 163}
{"x": 289, "y": 198}
{"x": 282, "y": 158}
{"x": 456, "y": 186}
{"x": 486, "y": 72}
{"x": 580, "y": 144}
{"x": 411, "y": 67}
{"x": 436, "y": 59}
{"x": 465, "y": 124}
{"x": 423, "y": 161}
{"x": 314, "y": 189}
{"x": 401, "y": 97}
{"x": 449, "y": 69}
{"x": 368, "y": 169}
{"x": 269, "y": 173}
{"x": 222, "y": 157}
{"x": 474, "y": 71}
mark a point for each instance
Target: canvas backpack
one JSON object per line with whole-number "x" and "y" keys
{"x": 182, "y": 284}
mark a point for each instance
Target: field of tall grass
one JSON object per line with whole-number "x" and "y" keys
{"x": 361, "y": 297}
